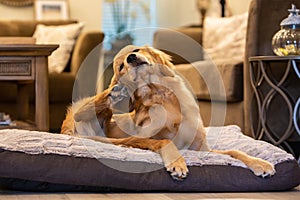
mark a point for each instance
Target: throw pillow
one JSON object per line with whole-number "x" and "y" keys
{"x": 225, "y": 37}
{"x": 65, "y": 36}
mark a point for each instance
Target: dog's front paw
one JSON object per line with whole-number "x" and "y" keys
{"x": 178, "y": 169}
{"x": 262, "y": 168}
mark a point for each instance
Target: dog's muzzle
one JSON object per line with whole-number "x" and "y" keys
{"x": 135, "y": 61}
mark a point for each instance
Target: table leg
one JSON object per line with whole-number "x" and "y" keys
{"x": 42, "y": 94}
{"x": 23, "y": 101}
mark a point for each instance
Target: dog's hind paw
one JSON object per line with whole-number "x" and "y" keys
{"x": 178, "y": 169}
{"x": 118, "y": 93}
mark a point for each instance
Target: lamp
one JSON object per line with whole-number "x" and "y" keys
{"x": 223, "y": 3}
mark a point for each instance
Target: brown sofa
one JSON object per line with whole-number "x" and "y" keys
{"x": 60, "y": 85}
{"x": 219, "y": 89}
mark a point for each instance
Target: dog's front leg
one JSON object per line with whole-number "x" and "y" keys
{"x": 171, "y": 157}
{"x": 173, "y": 160}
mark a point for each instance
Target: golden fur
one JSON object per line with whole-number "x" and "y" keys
{"x": 163, "y": 115}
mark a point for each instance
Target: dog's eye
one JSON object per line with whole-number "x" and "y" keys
{"x": 136, "y": 50}
{"x": 121, "y": 67}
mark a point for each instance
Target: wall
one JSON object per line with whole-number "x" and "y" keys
{"x": 239, "y": 6}
{"x": 8, "y": 12}
{"x": 170, "y": 13}
{"x": 88, "y": 11}
{"x": 181, "y": 13}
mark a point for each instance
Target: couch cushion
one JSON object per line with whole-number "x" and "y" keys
{"x": 215, "y": 81}
{"x": 65, "y": 36}
{"x": 225, "y": 37}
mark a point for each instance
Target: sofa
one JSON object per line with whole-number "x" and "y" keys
{"x": 218, "y": 105}
{"x": 87, "y": 45}
{"x": 183, "y": 44}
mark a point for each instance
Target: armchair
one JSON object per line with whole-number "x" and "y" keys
{"x": 217, "y": 85}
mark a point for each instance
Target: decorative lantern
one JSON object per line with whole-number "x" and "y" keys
{"x": 286, "y": 42}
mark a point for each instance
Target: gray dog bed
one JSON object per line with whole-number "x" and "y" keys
{"x": 40, "y": 161}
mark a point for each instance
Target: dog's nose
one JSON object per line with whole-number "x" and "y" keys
{"x": 131, "y": 58}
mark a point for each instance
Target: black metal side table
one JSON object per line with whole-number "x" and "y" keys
{"x": 275, "y": 108}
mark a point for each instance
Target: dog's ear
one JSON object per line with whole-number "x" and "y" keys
{"x": 166, "y": 70}
{"x": 114, "y": 80}
{"x": 116, "y": 69}
{"x": 163, "y": 58}
{"x": 115, "y": 77}
{"x": 163, "y": 61}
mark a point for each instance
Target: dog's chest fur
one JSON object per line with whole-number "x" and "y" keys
{"x": 166, "y": 96}
{"x": 151, "y": 95}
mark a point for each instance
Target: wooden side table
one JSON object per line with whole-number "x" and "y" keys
{"x": 23, "y": 64}
{"x": 276, "y": 100}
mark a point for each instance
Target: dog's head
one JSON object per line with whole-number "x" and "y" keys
{"x": 132, "y": 58}
{"x": 134, "y": 68}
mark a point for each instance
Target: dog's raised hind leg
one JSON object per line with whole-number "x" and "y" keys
{"x": 87, "y": 109}
{"x": 68, "y": 125}
{"x": 98, "y": 105}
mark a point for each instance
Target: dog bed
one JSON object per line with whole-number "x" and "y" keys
{"x": 40, "y": 161}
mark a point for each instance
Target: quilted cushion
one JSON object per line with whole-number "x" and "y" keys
{"x": 39, "y": 161}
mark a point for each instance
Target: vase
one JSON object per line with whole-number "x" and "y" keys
{"x": 286, "y": 41}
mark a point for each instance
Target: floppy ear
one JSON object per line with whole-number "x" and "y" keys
{"x": 165, "y": 64}
{"x": 164, "y": 58}
{"x": 114, "y": 80}
{"x": 116, "y": 75}
{"x": 166, "y": 71}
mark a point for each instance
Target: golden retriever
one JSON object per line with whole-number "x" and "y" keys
{"x": 162, "y": 115}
